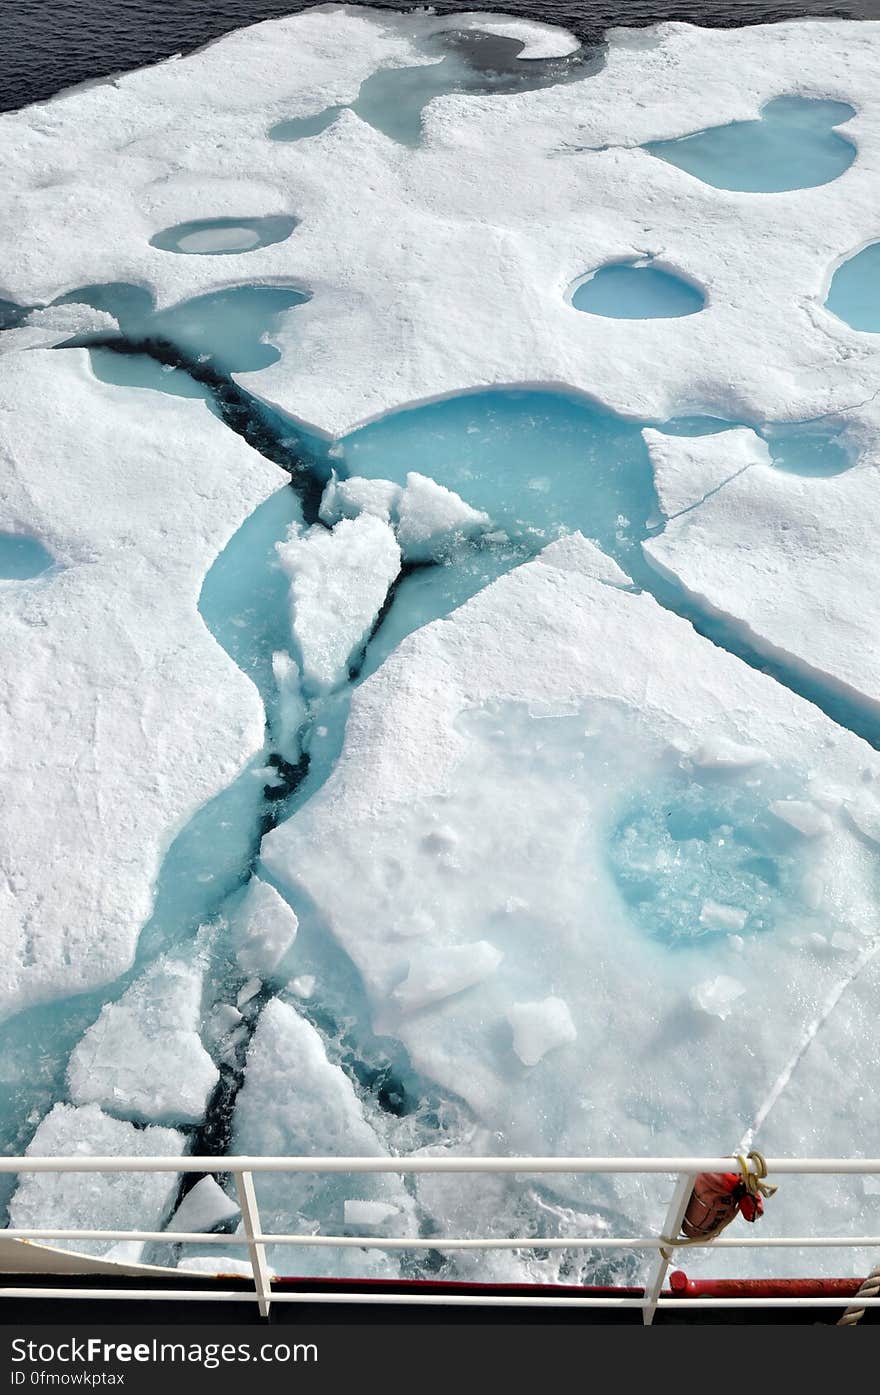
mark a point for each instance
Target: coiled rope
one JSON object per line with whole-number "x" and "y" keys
{"x": 869, "y": 1289}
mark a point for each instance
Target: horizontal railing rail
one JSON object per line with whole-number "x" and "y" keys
{"x": 254, "y": 1240}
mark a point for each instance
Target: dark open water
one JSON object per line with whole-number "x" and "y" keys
{"x": 51, "y": 44}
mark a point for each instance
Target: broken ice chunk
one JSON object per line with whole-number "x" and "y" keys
{"x": 719, "y": 917}
{"x": 295, "y": 1101}
{"x": 540, "y": 1027}
{"x": 203, "y": 1208}
{"x": 303, "y": 986}
{"x": 144, "y": 1056}
{"x": 95, "y": 1200}
{"x": 263, "y": 929}
{"x": 351, "y": 497}
{"x": 722, "y": 754}
{"x": 431, "y": 519}
{"x": 716, "y": 996}
{"x": 339, "y": 581}
{"x": 368, "y": 1213}
{"x": 436, "y": 974}
{"x": 809, "y": 820}
{"x": 291, "y": 706}
{"x": 248, "y": 991}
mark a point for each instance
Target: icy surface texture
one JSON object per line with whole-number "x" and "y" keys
{"x": 144, "y": 1057}
{"x": 781, "y": 555}
{"x": 119, "y": 707}
{"x": 443, "y": 826}
{"x": 96, "y": 1200}
{"x": 205, "y": 1207}
{"x": 295, "y": 1102}
{"x": 473, "y": 280}
{"x": 264, "y": 929}
{"x": 338, "y": 583}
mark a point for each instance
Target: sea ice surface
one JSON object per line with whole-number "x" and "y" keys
{"x": 107, "y": 661}
{"x": 294, "y": 1102}
{"x": 779, "y": 555}
{"x": 205, "y": 1206}
{"x": 552, "y": 679}
{"x": 339, "y": 579}
{"x": 264, "y": 928}
{"x": 144, "y": 1057}
{"x": 96, "y": 1200}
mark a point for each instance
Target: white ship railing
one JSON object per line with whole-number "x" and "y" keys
{"x": 256, "y": 1240}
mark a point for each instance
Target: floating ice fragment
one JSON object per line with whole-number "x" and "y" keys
{"x": 435, "y": 974}
{"x": 540, "y": 1027}
{"x": 431, "y": 519}
{"x": 203, "y": 1208}
{"x": 143, "y": 1056}
{"x": 357, "y": 495}
{"x": 803, "y": 816}
{"x": 95, "y": 1200}
{"x": 303, "y": 986}
{"x": 263, "y": 930}
{"x": 369, "y": 1213}
{"x": 339, "y": 581}
{"x": 248, "y": 991}
{"x": 292, "y": 709}
{"x": 719, "y": 917}
{"x": 716, "y": 996}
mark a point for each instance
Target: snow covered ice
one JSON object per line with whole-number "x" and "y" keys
{"x": 438, "y": 608}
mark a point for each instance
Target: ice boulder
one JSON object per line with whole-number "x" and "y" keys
{"x": 205, "y": 1206}
{"x": 339, "y": 580}
{"x": 368, "y": 1213}
{"x": 716, "y": 996}
{"x": 291, "y": 706}
{"x": 539, "y": 1028}
{"x": 96, "y": 1200}
{"x": 351, "y": 497}
{"x": 144, "y": 1057}
{"x": 263, "y": 930}
{"x": 431, "y": 519}
{"x": 296, "y": 1102}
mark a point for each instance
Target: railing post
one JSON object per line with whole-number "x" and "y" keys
{"x": 250, "y": 1215}
{"x": 671, "y": 1228}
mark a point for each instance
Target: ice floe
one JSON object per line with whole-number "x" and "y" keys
{"x": 339, "y": 579}
{"x": 96, "y": 1200}
{"x": 780, "y": 555}
{"x": 294, "y": 1102}
{"x": 264, "y": 929}
{"x": 550, "y": 722}
{"x": 144, "y": 1058}
{"x": 120, "y": 710}
{"x": 205, "y": 1207}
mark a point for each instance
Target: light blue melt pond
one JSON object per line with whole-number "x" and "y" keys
{"x": 793, "y": 146}
{"x": 217, "y": 237}
{"x": 637, "y": 291}
{"x": 22, "y": 557}
{"x": 854, "y": 296}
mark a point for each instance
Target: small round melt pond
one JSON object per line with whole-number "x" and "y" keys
{"x": 22, "y": 557}
{"x": 636, "y": 291}
{"x": 222, "y": 237}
